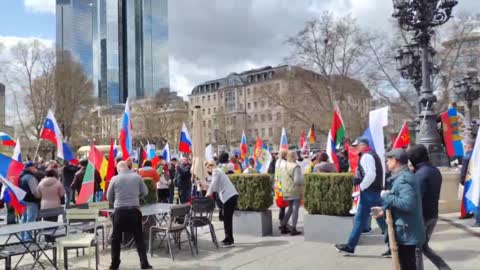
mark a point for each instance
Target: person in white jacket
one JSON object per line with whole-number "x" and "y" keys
{"x": 228, "y": 195}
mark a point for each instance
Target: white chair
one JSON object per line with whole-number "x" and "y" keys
{"x": 80, "y": 240}
{"x": 103, "y": 223}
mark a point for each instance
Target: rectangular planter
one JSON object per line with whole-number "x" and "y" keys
{"x": 252, "y": 223}
{"x": 327, "y": 229}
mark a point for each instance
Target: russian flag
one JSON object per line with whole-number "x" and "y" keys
{"x": 166, "y": 153}
{"x": 17, "y": 152}
{"x": 332, "y": 151}
{"x": 13, "y": 196}
{"x": 10, "y": 169}
{"x": 6, "y": 140}
{"x": 185, "y": 145}
{"x": 126, "y": 135}
{"x": 472, "y": 183}
{"x": 283, "y": 140}
{"x": 51, "y": 132}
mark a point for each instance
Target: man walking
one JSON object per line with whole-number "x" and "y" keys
{"x": 405, "y": 202}
{"x": 172, "y": 172}
{"x": 370, "y": 178}
{"x": 124, "y": 193}
{"x": 429, "y": 179}
{"x": 29, "y": 183}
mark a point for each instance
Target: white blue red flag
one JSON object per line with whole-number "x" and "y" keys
{"x": 166, "y": 153}
{"x": 51, "y": 132}
{"x": 6, "y": 140}
{"x": 185, "y": 145}
{"x": 283, "y": 140}
{"x": 126, "y": 134}
{"x": 472, "y": 181}
{"x": 17, "y": 152}
{"x": 13, "y": 196}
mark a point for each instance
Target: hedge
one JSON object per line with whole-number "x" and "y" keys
{"x": 255, "y": 191}
{"x": 152, "y": 192}
{"x": 328, "y": 193}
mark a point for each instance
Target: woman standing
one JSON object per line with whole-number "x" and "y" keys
{"x": 292, "y": 187}
{"x": 163, "y": 186}
{"x": 51, "y": 192}
{"x": 227, "y": 193}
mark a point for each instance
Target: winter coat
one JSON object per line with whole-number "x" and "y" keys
{"x": 291, "y": 179}
{"x": 68, "y": 174}
{"x": 325, "y": 167}
{"x": 430, "y": 180}
{"x": 405, "y": 202}
{"x": 51, "y": 191}
{"x": 184, "y": 176}
{"x": 149, "y": 172}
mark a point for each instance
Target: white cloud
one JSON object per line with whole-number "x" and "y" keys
{"x": 40, "y": 6}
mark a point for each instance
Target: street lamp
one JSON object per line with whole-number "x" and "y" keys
{"x": 420, "y": 17}
{"x": 468, "y": 89}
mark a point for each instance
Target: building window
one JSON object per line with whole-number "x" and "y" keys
{"x": 214, "y": 96}
{"x": 249, "y": 106}
{"x": 240, "y": 92}
{"x": 215, "y": 109}
{"x": 256, "y": 132}
{"x": 234, "y": 120}
{"x": 255, "y": 118}
{"x": 203, "y": 111}
{"x": 248, "y": 91}
{"x": 270, "y": 132}
{"x": 203, "y": 99}
{"x": 228, "y": 121}
{"x": 255, "y": 105}
{"x": 279, "y": 116}
{"x": 269, "y": 117}
{"x": 249, "y": 133}
{"x": 263, "y": 132}
{"x": 209, "y": 123}
{"x": 209, "y": 110}
{"x": 204, "y": 123}
{"x": 209, "y": 137}
{"x": 198, "y": 100}
{"x": 208, "y": 98}
{"x": 230, "y": 101}
{"x": 262, "y": 118}
{"x": 262, "y": 104}
{"x": 249, "y": 119}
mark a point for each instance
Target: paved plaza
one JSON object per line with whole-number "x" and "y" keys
{"x": 454, "y": 240}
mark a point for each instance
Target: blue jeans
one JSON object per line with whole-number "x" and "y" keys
{"x": 68, "y": 196}
{"x": 368, "y": 200}
{"x": 30, "y": 215}
{"x": 477, "y": 216}
{"x": 185, "y": 194}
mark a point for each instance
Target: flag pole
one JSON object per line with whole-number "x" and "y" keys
{"x": 38, "y": 145}
{"x": 392, "y": 241}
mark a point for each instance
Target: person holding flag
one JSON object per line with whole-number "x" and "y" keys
{"x": 370, "y": 178}
{"x": 29, "y": 183}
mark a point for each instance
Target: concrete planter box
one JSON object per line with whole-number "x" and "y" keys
{"x": 252, "y": 223}
{"x": 451, "y": 192}
{"x": 327, "y": 229}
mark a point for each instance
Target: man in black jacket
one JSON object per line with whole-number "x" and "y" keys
{"x": 430, "y": 180}
{"x": 29, "y": 183}
{"x": 172, "y": 172}
{"x": 68, "y": 174}
{"x": 184, "y": 180}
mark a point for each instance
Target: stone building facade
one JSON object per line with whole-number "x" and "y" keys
{"x": 262, "y": 101}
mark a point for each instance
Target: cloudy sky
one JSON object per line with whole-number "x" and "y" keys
{"x": 211, "y": 38}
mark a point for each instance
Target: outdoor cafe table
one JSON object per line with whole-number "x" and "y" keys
{"x": 31, "y": 247}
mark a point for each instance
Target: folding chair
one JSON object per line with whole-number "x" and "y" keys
{"x": 175, "y": 226}
{"x": 51, "y": 235}
{"x": 80, "y": 240}
{"x": 103, "y": 223}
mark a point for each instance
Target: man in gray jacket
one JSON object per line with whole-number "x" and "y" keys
{"x": 124, "y": 193}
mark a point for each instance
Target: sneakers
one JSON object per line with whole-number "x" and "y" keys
{"x": 228, "y": 244}
{"x": 344, "y": 250}
{"x": 387, "y": 254}
{"x": 284, "y": 230}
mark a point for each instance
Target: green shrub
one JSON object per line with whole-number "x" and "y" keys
{"x": 255, "y": 191}
{"x": 328, "y": 194}
{"x": 152, "y": 192}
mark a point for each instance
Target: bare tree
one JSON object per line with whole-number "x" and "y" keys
{"x": 31, "y": 60}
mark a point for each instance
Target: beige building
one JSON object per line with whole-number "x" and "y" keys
{"x": 262, "y": 101}
{"x": 155, "y": 120}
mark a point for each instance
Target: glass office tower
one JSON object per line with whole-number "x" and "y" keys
{"x": 122, "y": 45}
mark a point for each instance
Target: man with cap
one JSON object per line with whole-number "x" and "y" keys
{"x": 405, "y": 202}
{"x": 429, "y": 179}
{"x": 369, "y": 177}
{"x": 29, "y": 183}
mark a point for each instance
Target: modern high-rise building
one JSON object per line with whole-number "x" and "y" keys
{"x": 122, "y": 44}
{"x": 3, "y": 108}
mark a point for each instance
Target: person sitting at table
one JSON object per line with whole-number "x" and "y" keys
{"x": 51, "y": 192}
{"x": 124, "y": 193}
